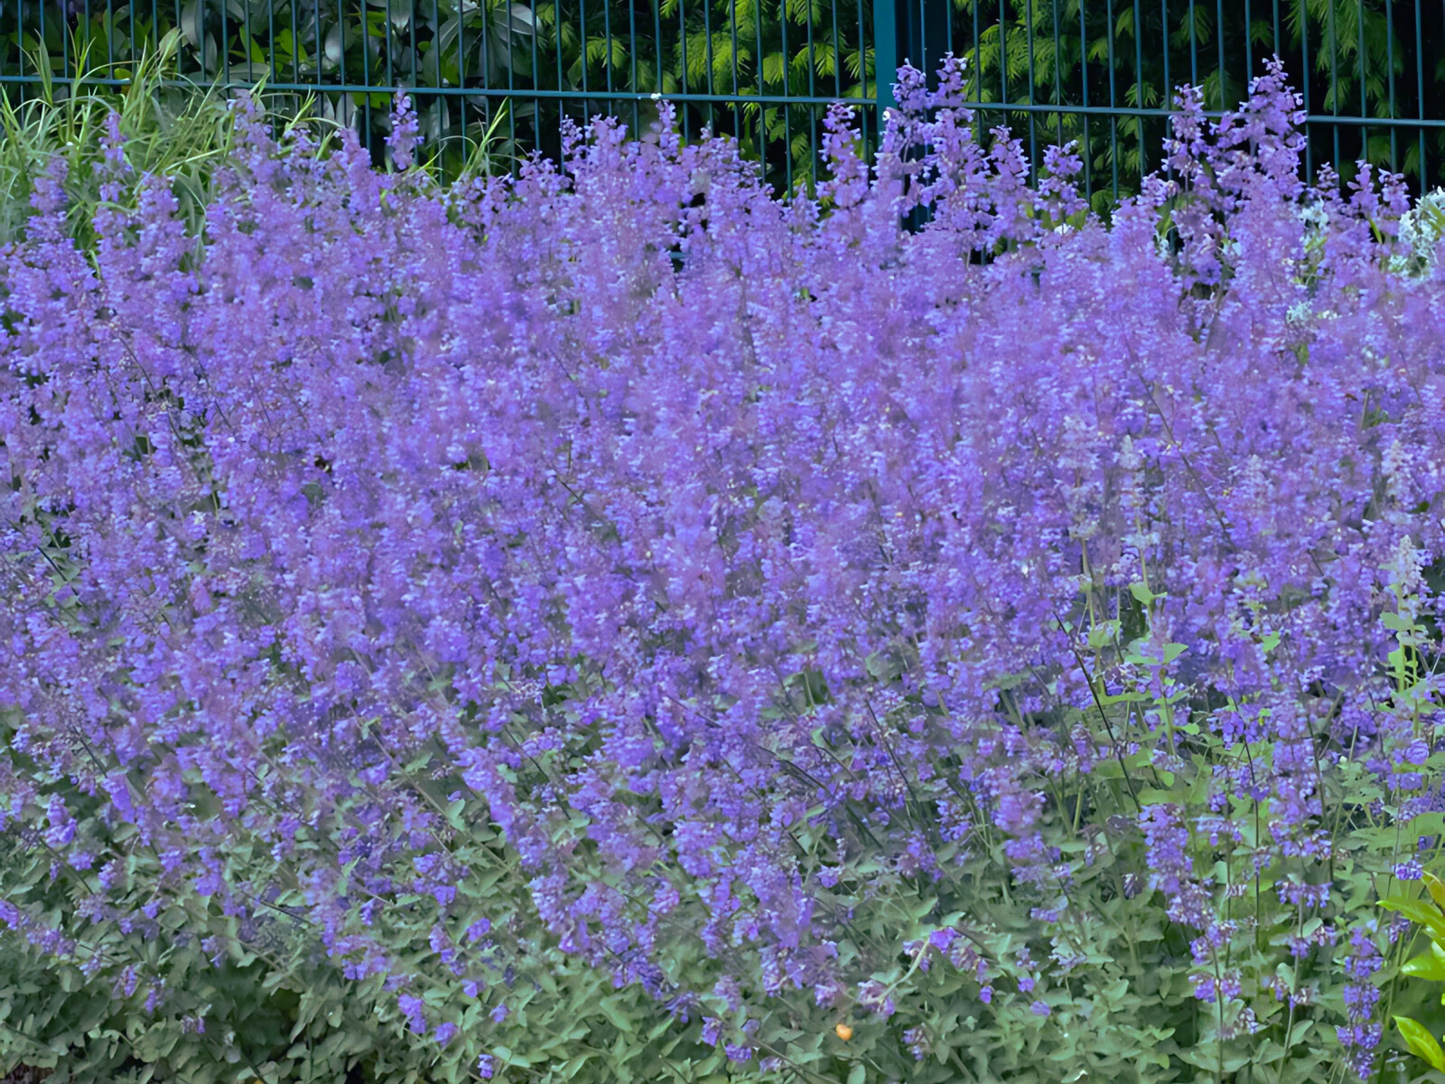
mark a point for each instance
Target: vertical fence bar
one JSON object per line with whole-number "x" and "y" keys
{"x": 1193, "y": 48}
{"x": 632, "y": 53}
{"x": 707, "y": 37}
{"x": 933, "y": 35}
{"x": 813, "y": 160}
{"x": 885, "y": 53}
{"x": 910, "y": 39}
{"x": 863, "y": 84}
{"x": 607, "y": 56}
{"x": 155, "y": 28}
{"x": 271, "y": 38}
{"x": 1224, "y": 102}
{"x": 1248, "y": 44}
{"x": 762, "y": 111}
{"x": 272, "y": 71}
{"x": 1033, "y": 127}
{"x": 417, "y": 79}
{"x": 21, "y": 59}
{"x": 385, "y": 41}
{"x": 1139, "y": 92}
{"x": 1058, "y": 77}
{"x": 20, "y": 49}
{"x": 1084, "y": 87}
{"x": 1167, "y": 90}
{"x": 975, "y": 74}
{"x": 341, "y": 47}
{"x": 787, "y": 109}
{"x": 1113, "y": 104}
{"x": 1364, "y": 108}
{"x": 1168, "y": 86}
{"x": 378, "y": 154}
{"x": 65, "y": 42}
{"x": 1334, "y": 84}
{"x": 737, "y": 109}
{"x": 1305, "y": 87}
{"x": 562, "y": 75}
{"x": 536, "y": 77}
{"x": 1002, "y": 62}
{"x": 70, "y": 45}
{"x": 296, "y": 41}
{"x": 1420, "y": 95}
{"x": 462, "y": 100}
{"x": 1390, "y": 69}
{"x": 686, "y": 110}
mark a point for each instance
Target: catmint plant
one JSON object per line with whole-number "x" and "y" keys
{"x": 610, "y": 624}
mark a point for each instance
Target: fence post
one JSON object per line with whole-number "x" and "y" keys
{"x": 916, "y": 29}
{"x": 885, "y": 52}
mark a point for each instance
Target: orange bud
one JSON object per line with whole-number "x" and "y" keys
{"x": 844, "y": 1032}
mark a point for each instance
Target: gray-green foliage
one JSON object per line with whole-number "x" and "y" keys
{"x": 281, "y": 1013}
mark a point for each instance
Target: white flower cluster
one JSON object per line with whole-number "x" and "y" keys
{"x": 1421, "y": 228}
{"x": 1314, "y": 215}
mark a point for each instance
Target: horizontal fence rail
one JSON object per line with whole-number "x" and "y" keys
{"x": 1372, "y": 72}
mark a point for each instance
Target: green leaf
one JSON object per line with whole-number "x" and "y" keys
{"x": 1436, "y": 888}
{"x": 1421, "y": 1043}
{"x": 510, "y": 1058}
{"x": 857, "y": 1074}
{"x": 1418, "y": 911}
{"x": 613, "y": 1008}
{"x": 773, "y": 67}
{"x": 1428, "y": 965}
{"x": 1142, "y": 594}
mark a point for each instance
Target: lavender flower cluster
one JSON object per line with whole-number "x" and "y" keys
{"x": 742, "y": 570}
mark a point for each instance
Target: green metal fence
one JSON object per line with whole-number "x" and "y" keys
{"x": 1371, "y": 73}
{"x": 764, "y": 71}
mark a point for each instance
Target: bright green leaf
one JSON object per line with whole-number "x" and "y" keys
{"x": 1421, "y": 1043}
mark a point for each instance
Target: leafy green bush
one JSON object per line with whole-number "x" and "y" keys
{"x": 747, "y": 48}
{"x": 238, "y": 1007}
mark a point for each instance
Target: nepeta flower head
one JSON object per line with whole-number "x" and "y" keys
{"x": 403, "y": 137}
{"x": 1409, "y": 870}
